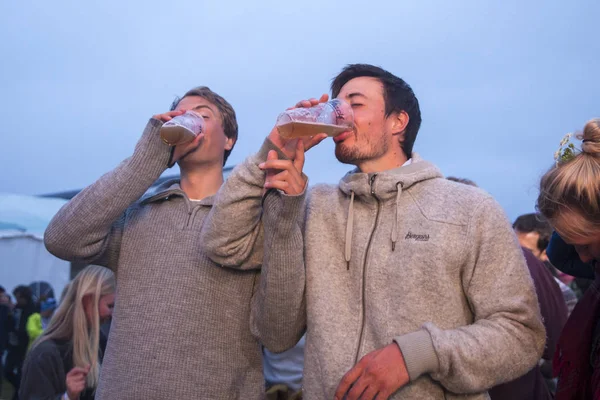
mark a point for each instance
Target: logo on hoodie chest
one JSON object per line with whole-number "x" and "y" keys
{"x": 417, "y": 237}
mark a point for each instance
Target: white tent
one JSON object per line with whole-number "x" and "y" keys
{"x": 23, "y": 256}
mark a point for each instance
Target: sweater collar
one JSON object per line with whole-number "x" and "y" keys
{"x": 170, "y": 188}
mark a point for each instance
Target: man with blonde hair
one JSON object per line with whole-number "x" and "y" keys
{"x": 198, "y": 344}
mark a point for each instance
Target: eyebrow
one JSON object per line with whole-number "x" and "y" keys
{"x": 355, "y": 94}
{"x": 204, "y": 106}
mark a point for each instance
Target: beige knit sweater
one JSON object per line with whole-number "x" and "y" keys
{"x": 181, "y": 327}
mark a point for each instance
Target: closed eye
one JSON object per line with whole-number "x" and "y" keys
{"x": 354, "y": 105}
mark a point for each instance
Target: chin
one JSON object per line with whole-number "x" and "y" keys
{"x": 344, "y": 155}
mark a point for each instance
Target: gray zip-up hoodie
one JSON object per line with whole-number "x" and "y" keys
{"x": 402, "y": 256}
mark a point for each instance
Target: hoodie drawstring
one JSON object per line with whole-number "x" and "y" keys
{"x": 396, "y": 223}
{"x": 350, "y": 225}
{"x": 349, "y": 228}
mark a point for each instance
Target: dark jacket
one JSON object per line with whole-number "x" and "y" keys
{"x": 577, "y": 359}
{"x": 4, "y": 320}
{"x": 564, "y": 257}
{"x": 532, "y": 386}
{"x": 18, "y": 338}
{"x": 45, "y": 372}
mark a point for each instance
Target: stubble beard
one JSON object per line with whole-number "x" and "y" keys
{"x": 356, "y": 153}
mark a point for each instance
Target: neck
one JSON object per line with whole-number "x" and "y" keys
{"x": 394, "y": 159}
{"x": 202, "y": 182}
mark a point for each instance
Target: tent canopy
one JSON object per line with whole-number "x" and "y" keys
{"x": 30, "y": 214}
{"x": 24, "y": 258}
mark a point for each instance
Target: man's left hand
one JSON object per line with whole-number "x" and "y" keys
{"x": 378, "y": 374}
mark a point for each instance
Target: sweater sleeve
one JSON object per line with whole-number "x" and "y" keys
{"x": 89, "y": 228}
{"x": 506, "y": 338}
{"x": 278, "y": 317}
{"x": 232, "y": 233}
{"x": 43, "y": 376}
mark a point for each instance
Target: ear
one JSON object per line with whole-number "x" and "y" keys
{"x": 544, "y": 256}
{"x": 86, "y": 301}
{"x": 399, "y": 123}
{"x": 229, "y": 143}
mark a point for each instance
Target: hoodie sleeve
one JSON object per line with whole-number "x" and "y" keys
{"x": 506, "y": 338}
{"x": 278, "y": 316}
{"x": 232, "y": 234}
{"x": 89, "y": 228}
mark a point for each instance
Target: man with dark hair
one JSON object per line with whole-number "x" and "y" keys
{"x": 18, "y": 339}
{"x": 408, "y": 285}
{"x": 398, "y": 98}
{"x": 198, "y": 343}
{"x": 534, "y": 232}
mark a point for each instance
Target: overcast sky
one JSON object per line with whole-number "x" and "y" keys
{"x": 499, "y": 83}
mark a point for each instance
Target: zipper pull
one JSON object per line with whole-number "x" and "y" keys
{"x": 373, "y": 184}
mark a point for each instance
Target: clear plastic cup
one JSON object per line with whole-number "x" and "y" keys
{"x": 182, "y": 129}
{"x": 332, "y": 118}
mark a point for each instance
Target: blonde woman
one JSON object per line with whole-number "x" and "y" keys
{"x": 570, "y": 200}
{"x": 64, "y": 363}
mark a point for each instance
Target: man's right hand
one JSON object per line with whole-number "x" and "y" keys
{"x": 285, "y": 175}
{"x": 76, "y": 382}
{"x": 181, "y": 150}
{"x": 288, "y": 146}
{"x": 168, "y": 115}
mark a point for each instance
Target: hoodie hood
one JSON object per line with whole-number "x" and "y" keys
{"x": 383, "y": 186}
{"x": 386, "y": 183}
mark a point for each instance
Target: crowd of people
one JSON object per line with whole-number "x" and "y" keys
{"x": 36, "y": 330}
{"x": 21, "y": 322}
{"x": 395, "y": 283}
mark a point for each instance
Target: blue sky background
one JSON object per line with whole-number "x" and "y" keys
{"x": 499, "y": 83}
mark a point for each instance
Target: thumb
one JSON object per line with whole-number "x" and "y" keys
{"x": 87, "y": 368}
{"x": 272, "y": 155}
{"x": 299, "y": 160}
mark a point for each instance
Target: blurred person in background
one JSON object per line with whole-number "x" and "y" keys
{"x": 18, "y": 339}
{"x": 38, "y": 322}
{"x": 65, "y": 361}
{"x": 5, "y": 309}
{"x": 533, "y": 232}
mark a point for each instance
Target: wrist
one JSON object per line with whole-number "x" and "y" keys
{"x": 150, "y": 150}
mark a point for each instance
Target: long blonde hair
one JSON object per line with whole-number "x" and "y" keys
{"x": 570, "y": 191}
{"x": 70, "y": 322}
